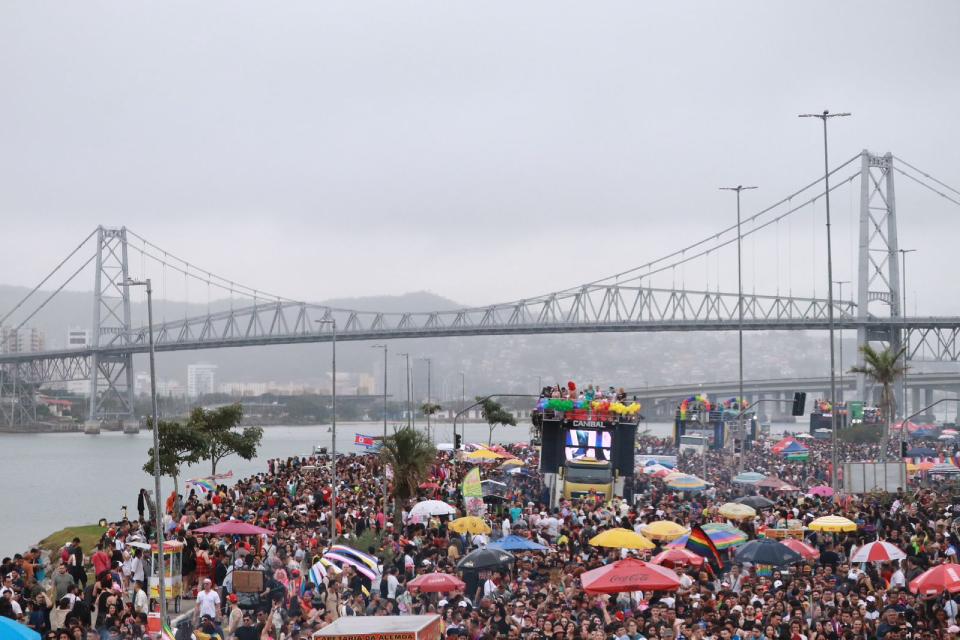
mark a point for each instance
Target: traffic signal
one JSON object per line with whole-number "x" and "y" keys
{"x": 457, "y": 441}
{"x": 903, "y": 449}
{"x": 799, "y": 403}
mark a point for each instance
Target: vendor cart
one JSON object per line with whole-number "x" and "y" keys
{"x": 426, "y": 627}
{"x": 172, "y": 572}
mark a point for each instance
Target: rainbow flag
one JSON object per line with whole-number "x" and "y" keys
{"x": 166, "y": 633}
{"x": 700, "y": 543}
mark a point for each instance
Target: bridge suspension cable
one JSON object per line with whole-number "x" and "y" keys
{"x": 925, "y": 184}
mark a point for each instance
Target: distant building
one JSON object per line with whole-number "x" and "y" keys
{"x": 243, "y": 389}
{"x": 201, "y": 379}
{"x": 78, "y": 338}
{"x": 22, "y": 340}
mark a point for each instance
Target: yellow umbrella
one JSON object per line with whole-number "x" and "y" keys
{"x": 737, "y": 511}
{"x": 664, "y": 530}
{"x": 510, "y": 464}
{"x": 833, "y": 524}
{"x": 621, "y": 539}
{"x": 912, "y": 468}
{"x": 470, "y": 524}
{"x": 483, "y": 454}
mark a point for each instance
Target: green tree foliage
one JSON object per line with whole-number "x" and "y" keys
{"x": 220, "y": 429}
{"x": 410, "y": 454}
{"x": 494, "y": 413}
{"x": 883, "y": 368}
{"x": 179, "y": 445}
{"x": 430, "y": 408}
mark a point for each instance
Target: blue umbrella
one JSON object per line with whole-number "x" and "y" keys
{"x": 921, "y": 452}
{"x": 16, "y": 631}
{"x": 516, "y": 543}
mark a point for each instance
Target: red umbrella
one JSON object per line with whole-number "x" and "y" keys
{"x": 629, "y": 575}
{"x": 429, "y": 485}
{"x": 943, "y": 577}
{"x": 234, "y": 528}
{"x": 677, "y": 558}
{"x": 878, "y": 551}
{"x": 436, "y": 583}
{"x": 806, "y": 551}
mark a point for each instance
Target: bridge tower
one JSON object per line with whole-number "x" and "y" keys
{"x": 111, "y": 376}
{"x": 878, "y": 273}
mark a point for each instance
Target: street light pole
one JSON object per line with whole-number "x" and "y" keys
{"x": 740, "y": 430}
{"x": 840, "y": 284}
{"x": 429, "y": 362}
{"x": 826, "y": 115}
{"x": 409, "y": 405}
{"x": 384, "y": 347}
{"x": 463, "y": 400}
{"x": 157, "y": 510}
{"x": 333, "y": 429}
{"x": 906, "y": 339}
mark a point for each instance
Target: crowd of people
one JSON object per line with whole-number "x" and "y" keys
{"x": 81, "y": 594}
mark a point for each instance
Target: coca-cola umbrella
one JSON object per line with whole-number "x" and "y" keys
{"x": 878, "y": 551}
{"x": 630, "y": 574}
{"x": 485, "y": 559}
{"x": 436, "y": 583}
{"x": 943, "y": 577}
{"x": 234, "y": 528}
{"x": 805, "y": 550}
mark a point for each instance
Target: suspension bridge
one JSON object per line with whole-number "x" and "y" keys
{"x": 650, "y": 297}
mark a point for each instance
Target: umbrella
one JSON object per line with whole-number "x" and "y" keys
{"x": 737, "y": 511}
{"x": 943, "y": 577}
{"x": 629, "y": 575}
{"x": 483, "y": 454}
{"x": 687, "y": 483}
{"x": 821, "y": 490}
{"x": 621, "y": 539}
{"x": 429, "y": 485}
{"x": 722, "y": 535}
{"x": 516, "y": 543}
{"x": 510, "y": 464}
{"x": 667, "y": 463}
{"x": 429, "y": 508}
{"x": 806, "y": 551}
{"x": 651, "y": 469}
{"x": 485, "y": 559}
{"x": 949, "y": 432}
{"x": 787, "y": 488}
{"x": 757, "y": 502}
{"x": 833, "y": 524}
{"x": 16, "y": 631}
{"x": 921, "y": 452}
{"x": 469, "y": 524}
{"x": 946, "y": 436}
{"x": 664, "y": 530}
{"x": 766, "y": 551}
{"x": 749, "y": 477}
{"x": 771, "y": 482}
{"x": 678, "y": 558}
{"x": 805, "y": 436}
{"x": 234, "y": 528}
{"x": 878, "y": 551}
{"x": 436, "y": 583}
{"x": 944, "y": 468}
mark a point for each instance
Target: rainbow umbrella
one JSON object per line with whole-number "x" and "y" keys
{"x": 723, "y": 536}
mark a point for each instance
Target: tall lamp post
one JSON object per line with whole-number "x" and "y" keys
{"x": 840, "y": 284}
{"x": 409, "y": 401}
{"x": 826, "y": 115}
{"x": 333, "y": 429}
{"x": 906, "y": 337}
{"x": 740, "y": 430}
{"x": 157, "y": 510}
{"x": 384, "y": 347}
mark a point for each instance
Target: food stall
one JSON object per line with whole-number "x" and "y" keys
{"x": 172, "y": 572}
{"x": 426, "y": 627}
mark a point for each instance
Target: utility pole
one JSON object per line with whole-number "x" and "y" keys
{"x": 463, "y": 401}
{"x": 906, "y": 342}
{"x": 840, "y": 284}
{"x": 384, "y": 347}
{"x": 429, "y": 362}
{"x": 333, "y": 429}
{"x": 826, "y": 115}
{"x": 741, "y": 432}
{"x": 409, "y": 405}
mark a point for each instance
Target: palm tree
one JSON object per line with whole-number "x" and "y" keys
{"x": 883, "y": 368}
{"x": 409, "y": 453}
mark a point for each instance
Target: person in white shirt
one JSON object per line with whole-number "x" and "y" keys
{"x": 898, "y": 579}
{"x": 141, "y": 602}
{"x": 208, "y": 600}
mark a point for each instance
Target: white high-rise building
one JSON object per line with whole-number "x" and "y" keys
{"x": 22, "y": 340}
{"x": 201, "y": 379}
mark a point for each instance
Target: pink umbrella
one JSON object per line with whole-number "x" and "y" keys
{"x": 806, "y": 551}
{"x": 234, "y": 528}
{"x": 821, "y": 490}
{"x": 878, "y": 551}
{"x": 436, "y": 583}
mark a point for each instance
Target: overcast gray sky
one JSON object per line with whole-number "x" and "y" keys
{"x": 483, "y": 151}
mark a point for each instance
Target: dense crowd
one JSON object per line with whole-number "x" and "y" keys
{"x": 100, "y": 593}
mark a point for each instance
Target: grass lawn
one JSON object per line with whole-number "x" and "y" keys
{"x": 89, "y": 536}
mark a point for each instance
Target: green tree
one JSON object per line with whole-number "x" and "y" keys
{"x": 221, "y": 432}
{"x": 179, "y": 445}
{"x": 410, "y": 454}
{"x": 883, "y": 368}
{"x": 494, "y": 413}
